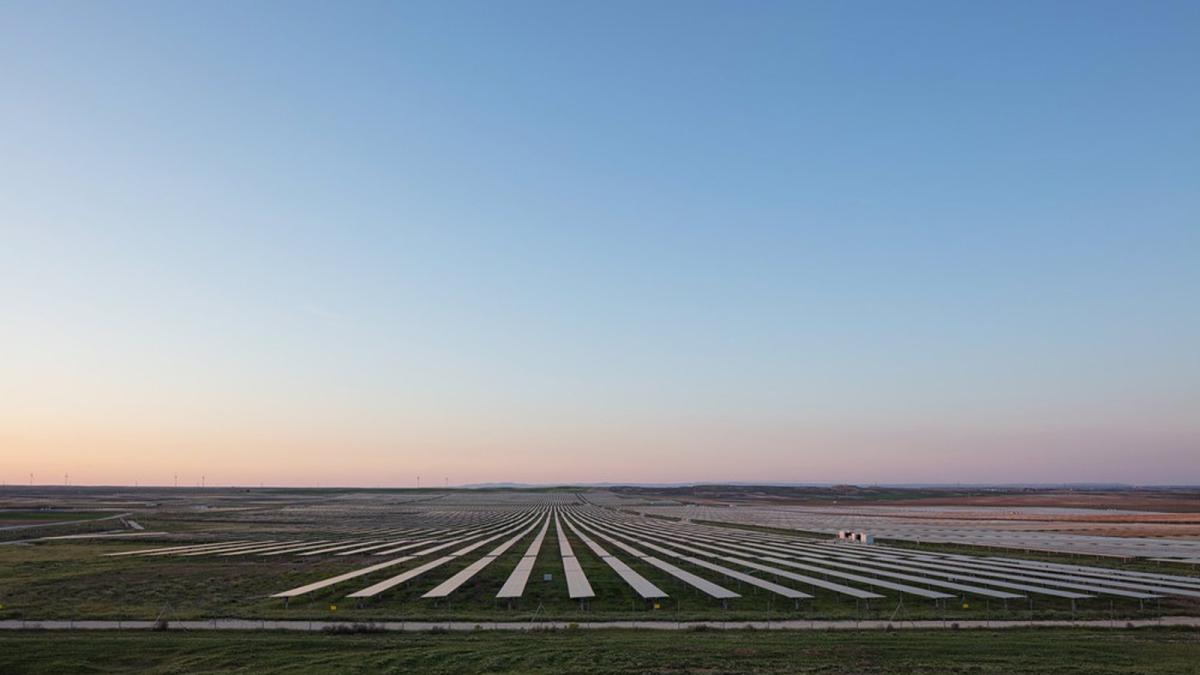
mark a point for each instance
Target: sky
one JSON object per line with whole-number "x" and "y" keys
{"x": 355, "y": 243}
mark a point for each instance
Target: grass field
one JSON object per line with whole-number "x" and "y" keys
{"x": 1014, "y": 651}
{"x": 35, "y": 517}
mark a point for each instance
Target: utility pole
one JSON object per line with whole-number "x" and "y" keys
{"x": 201, "y": 481}
{"x": 418, "y": 482}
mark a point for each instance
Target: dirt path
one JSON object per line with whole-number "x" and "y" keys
{"x": 419, "y": 626}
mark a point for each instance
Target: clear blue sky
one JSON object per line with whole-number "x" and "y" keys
{"x": 811, "y": 241}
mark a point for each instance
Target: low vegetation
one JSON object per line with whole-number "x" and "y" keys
{"x": 1094, "y": 652}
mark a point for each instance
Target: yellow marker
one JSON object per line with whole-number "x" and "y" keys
{"x": 656, "y": 605}
{"x": 333, "y": 608}
{"x": 966, "y": 606}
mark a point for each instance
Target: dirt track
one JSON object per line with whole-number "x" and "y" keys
{"x": 423, "y": 626}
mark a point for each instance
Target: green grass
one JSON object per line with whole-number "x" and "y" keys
{"x": 32, "y": 517}
{"x": 575, "y": 651}
{"x": 73, "y": 580}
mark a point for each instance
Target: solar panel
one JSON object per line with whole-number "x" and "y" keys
{"x": 384, "y": 585}
{"x": 225, "y": 549}
{"x": 812, "y": 581}
{"x": 577, "y": 583}
{"x": 376, "y": 589}
{"x": 699, "y": 582}
{"x": 639, "y": 583}
{"x": 173, "y": 549}
{"x": 450, "y": 585}
{"x": 790, "y": 593}
{"x": 339, "y": 547}
{"x": 514, "y": 586}
{"x": 325, "y": 583}
{"x": 294, "y": 549}
{"x": 272, "y": 547}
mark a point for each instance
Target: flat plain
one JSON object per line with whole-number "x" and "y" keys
{"x": 576, "y": 555}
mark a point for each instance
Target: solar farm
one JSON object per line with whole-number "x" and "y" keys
{"x": 1051, "y": 530}
{"x": 551, "y": 555}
